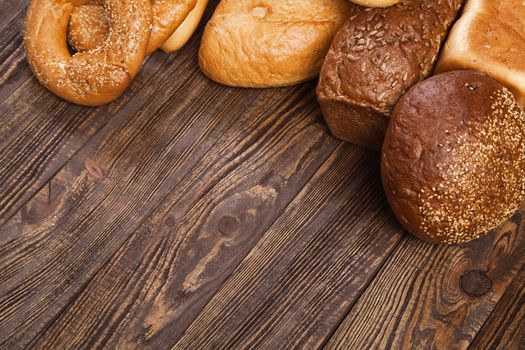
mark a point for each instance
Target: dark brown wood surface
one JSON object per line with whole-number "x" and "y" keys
{"x": 505, "y": 328}
{"x": 190, "y": 215}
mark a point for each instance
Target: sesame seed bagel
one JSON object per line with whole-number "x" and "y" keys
{"x": 453, "y": 161}
{"x": 94, "y": 77}
{"x": 88, "y": 28}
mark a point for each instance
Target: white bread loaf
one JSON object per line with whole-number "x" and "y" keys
{"x": 489, "y": 37}
{"x": 269, "y": 43}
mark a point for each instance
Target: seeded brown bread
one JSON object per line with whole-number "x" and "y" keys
{"x": 453, "y": 161}
{"x": 375, "y": 57}
{"x": 268, "y": 43}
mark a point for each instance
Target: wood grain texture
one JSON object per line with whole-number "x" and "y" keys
{"x": 11, "y": 9}
{"x": 14, "y": 69}
{"x": 505, "y": 328}
{"x": 300, "y": 280}
{"x": 48, "y": 250}
{"x": 39, "y": 132}
{"x": 430, "y": 296}
{"x": 167, "y": 272}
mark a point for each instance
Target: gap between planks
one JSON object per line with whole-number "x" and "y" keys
{"x": 356, "y": 300}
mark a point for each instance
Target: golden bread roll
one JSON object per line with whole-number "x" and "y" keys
{"x": 269, "y": 43}
{"x": 453, "y": 161}
{"x": 94, "y": 77}
{"x": 87, "y": 25}
{"x": 186, "y": 29}
{"x": 375, "y": 3}
{"x": 489, "y": 37}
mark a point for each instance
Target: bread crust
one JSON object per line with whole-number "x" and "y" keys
{"x": 88, "y": 30}
{"x": 94, "y": 77}
{"x": 88, "y": 27}
{"x": 269, "y": 43}
{"x": 375, "y": 3}
{"x": 183, "y": 33}
{"x": 453, "y": 161}
{"x": 375, "y": 57}
{"x": 490, "y": 38}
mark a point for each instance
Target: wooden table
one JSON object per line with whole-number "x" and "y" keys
{"x": 196, "y": 216}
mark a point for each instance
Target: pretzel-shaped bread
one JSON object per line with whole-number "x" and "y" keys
{"x": 88, "y": 25}
{"x": 93, "y": 77}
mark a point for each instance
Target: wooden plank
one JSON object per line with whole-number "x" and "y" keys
{"x": 298, "y": 283}
{"x": 505, "y": 328}
{"x": 49, "y": 250}
{"x": 167, "y": 272}
{"x": 39, "y": 132}
{"x": 14, "y": 69}
{"x": 430, "y": 296}
{"x": 124, "y": 172}
{"x": 11, "y": 9}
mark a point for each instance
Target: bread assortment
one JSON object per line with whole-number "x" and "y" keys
{"x": 269, "y": 43}
{"x": 453, "y": 162}
{"x": 375, "y": 57}
{"x": 453, "y": 159}
{"x": 489, "y": 37}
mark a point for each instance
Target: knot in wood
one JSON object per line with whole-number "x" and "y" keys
{"x": 170, "y": 222}
{"x": 475, "y": 283}
{"x": 227, "y": 225}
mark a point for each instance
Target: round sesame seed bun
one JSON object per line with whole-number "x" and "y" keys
{"x": 453, "y": 160}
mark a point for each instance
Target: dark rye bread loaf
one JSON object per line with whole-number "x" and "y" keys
{"x": 375, "y": 57}
{"x": 453, "y": 160}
